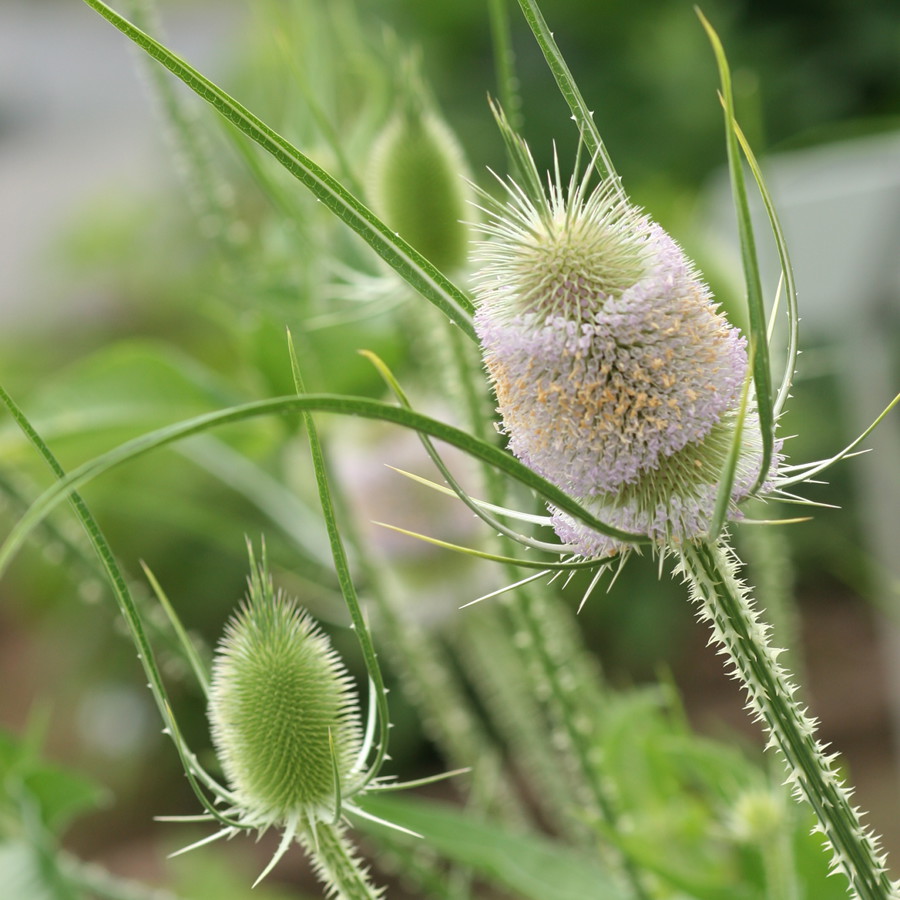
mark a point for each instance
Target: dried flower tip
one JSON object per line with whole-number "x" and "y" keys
{"x": 283, "y": 710}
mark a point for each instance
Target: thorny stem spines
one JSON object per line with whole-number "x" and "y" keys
{"x": 336, "y": 864}
{"x": 487, "y": 653}
{"x": 725, "y": 603}
{"x": 563, "y": 704}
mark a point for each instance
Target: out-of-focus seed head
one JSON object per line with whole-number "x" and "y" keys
{"x": 418, "y": 182}
{"x": 615, "y": 374}
{"x": 283, "y": 710}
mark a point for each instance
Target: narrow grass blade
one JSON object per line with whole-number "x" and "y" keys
{"x": 483, "y": 554}
{"x": 787, "y": 273}
{"x": 759, "y": 345}
{"x": 545, "y": 521}
{"x": 123, "y": 599}
{"x": 729, "y": 472}
{"x": 190, "y": 651}
{"x": 583, "y": 116}
{"x": 345, "y": 579}
{"x": 205, "y": 182}
{"x": 417, "y": 271}
{"x": 505, "y": 61}
{"x": 816, "y": 468}
{"x": 340, "y": 404}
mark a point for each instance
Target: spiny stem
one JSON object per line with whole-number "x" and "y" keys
{"x": 540, "y": 653}
{"x": 724, "y": 601}
{"x": 563, "y": 705}
{"x": 505, "y": 686}
{"x": 336, "y": 864}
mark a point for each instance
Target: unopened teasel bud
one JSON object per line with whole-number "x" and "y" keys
{"x": 417, "y": 179}
{"x": 283, "y": 710}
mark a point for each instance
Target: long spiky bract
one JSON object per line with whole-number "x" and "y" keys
{"x": 348, "y": 590}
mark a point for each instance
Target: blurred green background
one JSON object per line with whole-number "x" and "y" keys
{"x": 101, "y": 248}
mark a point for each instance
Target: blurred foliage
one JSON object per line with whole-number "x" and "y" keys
{"x": 200, "y": 310}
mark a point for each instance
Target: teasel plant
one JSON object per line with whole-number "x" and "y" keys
{"x": 283, "y": 710}
{"x": 631, "y": 408}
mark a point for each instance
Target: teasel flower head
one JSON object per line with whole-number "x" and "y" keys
{"x": 616, "y": 376}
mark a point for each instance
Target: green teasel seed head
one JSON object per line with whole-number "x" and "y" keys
{"x": 283, "y": 710}
{"x": 418, "y": 181}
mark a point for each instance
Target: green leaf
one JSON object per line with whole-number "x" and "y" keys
{"x": 124, "y": 389}
{"x": 63, "y": 796}
{"x": 59, "y": 795}
{"x": 417, "y": 271}
{"x": 759, "y": 341}
{"x": 787, "y": 270}
{"x": 532, "y": 867}
{"x": 22, "y": 874}
{"x": 583, "y": 116}
{"x": 729, "y": 469}
{"x": 345, "y": 405}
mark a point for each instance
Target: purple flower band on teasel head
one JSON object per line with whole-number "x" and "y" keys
{"x": 616, "y": 376}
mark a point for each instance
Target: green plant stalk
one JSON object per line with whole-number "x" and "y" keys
{"x": 551, "y": 667}
{"x": 206, "y": 189}
{"x": 767, "y": 554}
{"x": 496, "y": 669}
{"x": 446, "y": 709}
{"x": 584, "y": 117}
{"x": 780, "y": 868}
{"x": 576, "y": 729}
{"x": 505, "y": 63}
{"x": 415, "y": 863}
{"x": 724, "y": 602}
{"x": 397, "y": 253}
{"x": 336, "y": 864}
